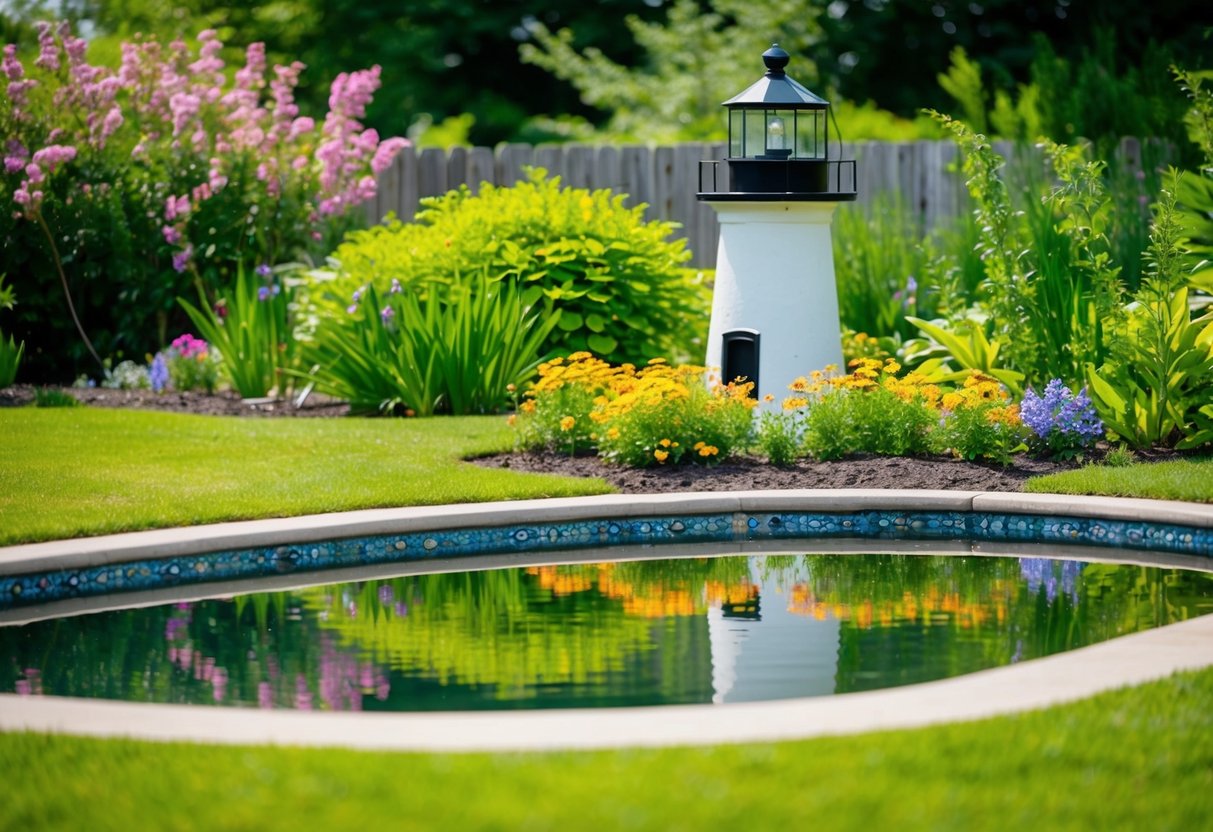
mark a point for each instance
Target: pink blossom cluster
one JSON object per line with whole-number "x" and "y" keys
{"x": 171, "y": 109}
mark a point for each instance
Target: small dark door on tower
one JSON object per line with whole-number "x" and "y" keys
{"x": 739, "y": 357}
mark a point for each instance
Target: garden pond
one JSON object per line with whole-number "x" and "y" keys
{"x": 614, "y": 633}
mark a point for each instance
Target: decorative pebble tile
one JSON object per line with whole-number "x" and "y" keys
{"x": 28, "y": 590}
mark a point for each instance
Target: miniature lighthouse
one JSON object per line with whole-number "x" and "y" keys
{"x": 774, "y": 308}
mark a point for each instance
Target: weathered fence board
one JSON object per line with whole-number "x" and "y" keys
{"x": 924, "y": 174}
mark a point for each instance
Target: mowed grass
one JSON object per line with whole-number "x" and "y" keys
{"x": 1184, "y": 479}
{"x": 85, "y": 471}
{"x": 1140, "y": 758}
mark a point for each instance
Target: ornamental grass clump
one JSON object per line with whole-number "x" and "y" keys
{"x": 658, "y": 414}
{"x": 1062, "y": 424}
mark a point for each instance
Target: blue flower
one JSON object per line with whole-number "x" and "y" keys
{"x": 263, "y": 293}
{"x": 1062, "y": 422}
{"x": 158, "y": 373}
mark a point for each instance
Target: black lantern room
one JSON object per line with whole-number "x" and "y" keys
{"x": 779, "y": 142}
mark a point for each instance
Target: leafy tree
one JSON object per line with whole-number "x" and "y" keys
{"x": 694, "y": 60}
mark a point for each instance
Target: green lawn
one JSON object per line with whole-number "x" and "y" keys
{"x": 1131, "y": 759}
{"x": 1184, "y": 479}
{"x": 84, "y": 471}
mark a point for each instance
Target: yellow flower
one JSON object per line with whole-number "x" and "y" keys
{"x": 768, "y": 398}
{"x": 709, "y": 450}
{"x": 665, "y": 443}
{"x": 527, "y": 407}
{"x": 799, "y": 385}
{"x": 794, "y": 402}
{"x": 891, "y": 367}
{"x": 660, "y": 455}
{"x": 612, "y": 433}
{"x": 567, "y": 423}
{"x": 698, "y": 445}
{"x": 952, "y": 400}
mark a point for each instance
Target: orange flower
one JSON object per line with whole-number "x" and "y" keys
{"x": 566, "y": 424}
{"x": 660, "y": 455}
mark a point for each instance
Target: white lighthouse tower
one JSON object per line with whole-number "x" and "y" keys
{"x": 775, "y": 307}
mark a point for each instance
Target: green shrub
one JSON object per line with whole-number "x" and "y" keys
{"x": 780, "y": 437}
{"x": 617, "y": 280}
{"x": 135, "y": 187}
{"x": 460, "y": 353}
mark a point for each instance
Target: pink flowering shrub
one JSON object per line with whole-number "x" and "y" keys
{"x": 164, "y": 175}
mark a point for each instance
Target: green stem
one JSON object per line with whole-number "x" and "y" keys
{"x": 71, "y": 307}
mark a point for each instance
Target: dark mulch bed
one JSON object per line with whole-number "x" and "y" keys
{"x": 744, "y": 474}
{"x": 740, "y": 474}
{"x": 218, "y": 404}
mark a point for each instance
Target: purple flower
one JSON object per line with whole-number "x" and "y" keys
{"x": 396, "y": 287}
{"x": 264, "y": 270}
{"x": 387, "y": 314}
{"x": 181, "y": 259}
{"x": 1061, "y": 422}
{"x": 158, "y": 374}
{"x": 171, "y": 235}
{"x": 263, "y": 293}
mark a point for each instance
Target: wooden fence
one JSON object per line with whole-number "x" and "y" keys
{"x": 666, "y": 178}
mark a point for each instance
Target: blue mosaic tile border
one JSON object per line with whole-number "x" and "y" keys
{"x": 29, "y": 590}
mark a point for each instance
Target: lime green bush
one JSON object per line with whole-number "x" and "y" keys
{"x": 617, "y": 280}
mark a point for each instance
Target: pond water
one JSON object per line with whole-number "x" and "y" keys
{"x": 688, "y": 630}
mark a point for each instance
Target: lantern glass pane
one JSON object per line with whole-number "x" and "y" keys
{"x": 780, "y": 133}
{"x": 735, "y": 132}
{"x": 755, "y": 133}
{"x": 810, "y": 134}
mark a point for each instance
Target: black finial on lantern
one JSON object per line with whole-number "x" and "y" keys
{"x": 775, "y": 59}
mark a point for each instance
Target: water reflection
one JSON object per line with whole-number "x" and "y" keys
{"x": 723, "y": 629}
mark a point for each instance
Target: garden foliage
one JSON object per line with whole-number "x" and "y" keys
{"x": 457, "y": 352}
{"x": 130, "y": 186}
{"x": 10, "y": 351}
{"x": 873, "y": 410}
{"x": 251, "y": 326}
{"x": 657, "y": 414}
{"x": 617, "y": 281}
